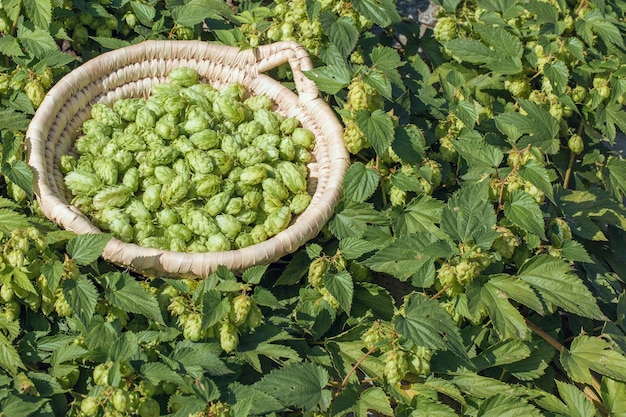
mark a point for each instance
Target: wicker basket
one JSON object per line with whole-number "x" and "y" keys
{"x": 130, "y": 72}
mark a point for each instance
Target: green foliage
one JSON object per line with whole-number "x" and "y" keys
{"x": 474, "y": 265}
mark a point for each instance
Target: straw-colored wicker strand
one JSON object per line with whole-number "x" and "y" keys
{"x": 130, "y": 72}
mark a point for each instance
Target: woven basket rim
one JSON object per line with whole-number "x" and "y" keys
{"x": 63, "y": 103}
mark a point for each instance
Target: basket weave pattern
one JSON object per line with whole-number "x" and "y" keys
{"x": 130, "y": 72}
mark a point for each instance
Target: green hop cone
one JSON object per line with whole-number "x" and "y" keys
{"x": 253, "y": 175}
{"x": 82, "y": 183}
{"x": 105, "y": 115}
{"x": 303, "y": 137}
{"x": 317, "y": 271}
{"x": 229, "y": 108}
{"x": 445, "y": 29}
{"x": 183, "y": 76}
{"x": 396, "y": 365}
{"x": 576, "y": 144}
{"x": 106, "y": 170}
{"x": 200, "y": 162}
{"x": 218, "y": 242}
{"x": 292, "y": 177}
{"x": 192, "y": 326}
{"x": 277, "y": 221}
{"x": 217, "y": 203}
{"x": 228, "y": 225}
{"x": 241, "y": 306}
{"x": 120, "y": 400}
{"x": 229, "y": 338}
{"x": 199, "y": 222}
{"x": 299, "y": 202}
{"x": 112, "y": 196}
{"x": 506, "y": 243}
{"x": 397, "y": 196}
{"x": 446, "y": 275}
{"x": 149, "y": 407}
{"x": 35, "y": 92}
{"x": 258, "y": 102}
{"x": 275, "y": 189}
{"x": 90, "y": 406}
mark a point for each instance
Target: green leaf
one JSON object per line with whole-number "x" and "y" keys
{"x": 344, "y": 34}
{"x": 507, "y": 47}
{"x": 409, "y": 144}
{"x": 385, "y": 58}
{"x": 614, "y": 176}
{"x": 507, "y": 320}
{"x": 10, "y": 47}
{"x": 39, "y": 12}
{"x": 360, "y": 182}
{"x": 380, "y": 81}
{"x": 574, "y": 251}
{"x": 372, "y": 298}
{"x": 471, "y": 50}
{"x": 351, "y": 219}
{"x": 575, "y": 47}
{"x": 15, "y": 406}
{"x": 546, "y": 12}
{"x": 331, "y": 78}
{"x": 263, "y": 403}
{"x": 558, "y": 75}
{"x": 110, "y": 43}
{"x": 353, "y": 248}
{"x": 507, "y": 405}
{"x": 214, "y": 307}
{"x": 20, "y": 174}
{"x": 374, "y": 399}
{"x": 540, "y": 127}
{"x": 516, "y": 289}
{"x": 556, "y": 283}
{"x": 85, "y": 249}
{"x": 608, "y": 116}
{"x": 524, "y": 211}
{"x": 377, "y": 127}
{"x": 155, "y": 372}
{"x": 67, "y": 353}
{"x": 420, "y": 215}
{"x": 37, "y": 42}
{"x": 381, "y": 12}
{"x": 341, "y": 287}
{"x": 426, "y": 323}
{"x": 501, "y": 353}
{"x": 124, "y": 292}
{"x": 477, "y": 152}
{"x": 614, "y": 396}
{"x": 125, "y": 347}
{"x": 466, "y": 112}
{"x": 145, "y": 13}
{"x": 592, "y": 353}
{"x": 11, "y": 220}
{"x": 577, "y": 404}
{"x": 197, "y": 11}
{"x": 537, "y": 174}
{"x": 535, "y": 366}
{"x": 9, "y": 357}
{"x": 297, "y": 384}
{"x": 469, "y": 217}
{"x": 254, "y": 274}
{"x": 82, "y": 296}
{"x": 406, "y": 256}
{"x": 53, "y": 272}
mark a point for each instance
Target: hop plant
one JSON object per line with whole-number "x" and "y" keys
{"x": 445, "y": 29}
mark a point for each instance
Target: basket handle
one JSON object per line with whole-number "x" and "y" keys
{"x": 274, "y": 54}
